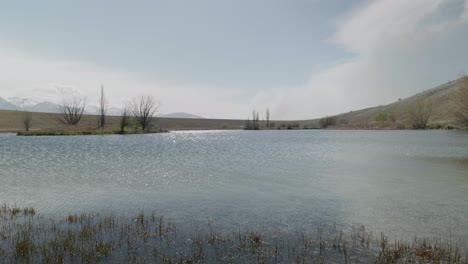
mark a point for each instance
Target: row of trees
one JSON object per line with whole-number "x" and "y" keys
{"x": 142, "y": 110}
{"x": 254, "y": 124}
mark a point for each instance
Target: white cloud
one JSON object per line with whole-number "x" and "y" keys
{"x": 26, "y": 75}
{"x": 400, "y": 47}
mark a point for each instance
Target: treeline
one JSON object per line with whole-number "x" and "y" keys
{"x": 140, "y": 111}
{"x": 255, "y": 123}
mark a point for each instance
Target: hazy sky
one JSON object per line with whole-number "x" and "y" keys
{"x": 215, "y": 58}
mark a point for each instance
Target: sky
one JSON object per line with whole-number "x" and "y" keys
{"x": 302, "y": 59}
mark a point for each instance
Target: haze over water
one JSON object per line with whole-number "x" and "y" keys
{"x": 403, "y": 183}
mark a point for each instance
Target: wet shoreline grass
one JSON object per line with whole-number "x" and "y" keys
{"x": 28, "y": 237}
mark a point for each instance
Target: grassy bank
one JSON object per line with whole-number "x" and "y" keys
{"x": 26, "y": 237}
{"x": 12, "y": 121}
{"x": 82, "y": 132}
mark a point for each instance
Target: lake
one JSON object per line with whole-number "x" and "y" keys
{"x": 403, "y": 183}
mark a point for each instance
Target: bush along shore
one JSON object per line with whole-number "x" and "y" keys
{"x": 26, "y": 237}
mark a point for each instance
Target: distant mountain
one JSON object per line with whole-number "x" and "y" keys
{"x": 5, "y": 105}
{"x": 111, "y": 111}
{"x": 114, "y": 111}
{"x": 45, "y": 107}
{"x": 22, "y": 102}
{"x": 181, "y": 115}
{"x": 26, "y": 104}
{"x": 91, "y": 110}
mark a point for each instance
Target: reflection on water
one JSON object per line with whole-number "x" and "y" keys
{"x": 405, "y": 183}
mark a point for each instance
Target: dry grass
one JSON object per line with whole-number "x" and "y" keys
{"x": 443, "y": 106}
{"x": 49, "y": 124}
{"x": 11, "y": 121}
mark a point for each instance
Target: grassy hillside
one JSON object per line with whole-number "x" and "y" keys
{"x": 443, "y": 107}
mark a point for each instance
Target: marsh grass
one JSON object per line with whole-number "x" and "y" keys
{"x": 26, "y": 237}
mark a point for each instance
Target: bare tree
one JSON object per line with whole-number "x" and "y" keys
{"x": 267, "y": 117}
{"x": 419, "y": 114}
{"x": 327, "y": 121}
{"x": 27, "y": 121}
{"x": 257, "y": 121}
{"x": 144, "y": 108}
{"x": 461, "y": 103}
{"x": 103, "y": 107}
{"x": 248, "y": 125}
{"x": 124, "y": 120}
{"x": 72, "y": 110}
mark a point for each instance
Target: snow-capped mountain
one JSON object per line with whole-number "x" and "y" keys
{"x": 94, "y": 110}
{"x": 181, "y": 115}
{"x": 25, "y": 104}
{"x": 5, "y": 105}
{"x": 45, "y": 107}
{"x": 22, "y": 102}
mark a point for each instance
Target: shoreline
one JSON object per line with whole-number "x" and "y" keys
{"x": 47, "y": 133}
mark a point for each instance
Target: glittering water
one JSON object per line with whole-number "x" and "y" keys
{"x": 404, "y": 183}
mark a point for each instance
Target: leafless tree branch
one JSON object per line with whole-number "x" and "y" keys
{"x": 144, "y": 109}
{"x": 124, "y": 120}
{"x": 267, "y": 117}
{"x": 27, "y": 121}
{"x": 419, "y": 114}
{"x": 72, "y": 110}
{"x": 103, "y": 107}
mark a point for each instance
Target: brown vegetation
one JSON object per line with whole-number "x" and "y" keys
{"x": 419, "y": 114}
{"x": 27, "y": 121}
{"x": 103, "y": 107}
{"x": 72, "y": 110}
{"x": 461, "y": 102}
{"x": 124, "y": 120}
{"x": 144, "y": 109}
{"x": 26, "y": 237}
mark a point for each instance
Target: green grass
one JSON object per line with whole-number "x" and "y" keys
{"x": 26, "y": 237}
{"x": 381, "y": 117}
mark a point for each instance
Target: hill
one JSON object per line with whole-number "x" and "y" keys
{"x": 182, "y": 115}
{"x": 5, "y": 105}
{"x": 440, "y": 97}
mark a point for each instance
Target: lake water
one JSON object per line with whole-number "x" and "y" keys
{"x": 404, "y": 183}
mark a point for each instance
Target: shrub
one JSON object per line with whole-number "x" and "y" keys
{"x": 292, "y": 125}
{"x": 419, "y": 114}
{"x": 381, "y": 117}
{"x": 327, "y": 121}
